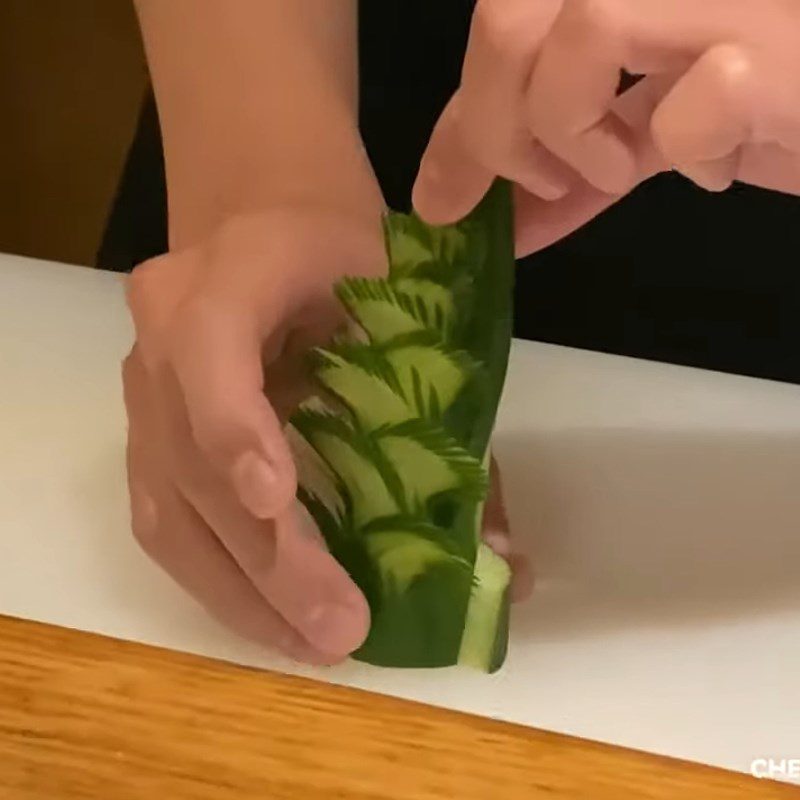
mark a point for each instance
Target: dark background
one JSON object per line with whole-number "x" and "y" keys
{"x": 72, "y": 75}
{"x": 672, "y": 273}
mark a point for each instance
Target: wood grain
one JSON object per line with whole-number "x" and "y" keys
{"x": 83, "y": 717}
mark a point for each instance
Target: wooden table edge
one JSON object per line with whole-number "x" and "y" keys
{"x": 259, "y": 716}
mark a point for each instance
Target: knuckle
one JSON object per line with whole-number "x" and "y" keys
{"x": 144, "y": 525}
{"x": 128, "y": 386}
{"x": 145, "y": 300}
{"x": 133, "y": 382}
{"x": 153, "y": 357}
{"x": 592, "y": 18}
{"x": 503, "y": 26}
{"x": 170, "y": 340}
{"x": 460, "y": 132}
{"x": 148, "y": 540}
{"x": 214, "y": 436}
{"x": 139, "y": 286}
{"x": 733, "y": 68}
{"x": 141, "y": 363}
{"x": 128, "y": 368}
{"x": 191, "y": 323}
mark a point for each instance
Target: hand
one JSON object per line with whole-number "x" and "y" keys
{"x": 212, "y": 481}
{"x": 721, "y": 102}
{"x": 496, "y": 534}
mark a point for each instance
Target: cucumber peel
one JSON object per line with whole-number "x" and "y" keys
{"x": 392, "y": 450}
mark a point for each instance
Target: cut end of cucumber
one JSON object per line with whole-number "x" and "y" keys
{"x": 484, "y": 645}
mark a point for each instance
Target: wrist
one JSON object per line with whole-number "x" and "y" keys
{"x": 215, "y": 183}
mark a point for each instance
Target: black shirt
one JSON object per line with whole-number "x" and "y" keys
{"x": 670, "y": 273}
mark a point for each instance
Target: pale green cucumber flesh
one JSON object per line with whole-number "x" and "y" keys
{"x": 320, "y": 482}
{"x": 430, "y": 378}
{"x": 382, "y": 311}
{"x": 387, "y": 308}
{"x": 428, "y": 464}
{"x": 402, "y": 556}
{"x": 483, "y": 645}
{"x": 371, "y": 401}
{"x": 370, "y": 497}
{"x": 433, "y": 303}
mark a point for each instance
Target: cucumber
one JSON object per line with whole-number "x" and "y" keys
{"x": 487, "y": 611}
{"x": 382, "y": 310}
{"x": 373, "y": 403}
{"x": 428, "y": 470}
{"x": 402, "y": 556}
{"x": 428, "y": 376}
{"x": 392, "y": 449}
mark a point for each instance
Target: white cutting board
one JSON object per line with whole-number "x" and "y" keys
{"x": 661, "y": 507}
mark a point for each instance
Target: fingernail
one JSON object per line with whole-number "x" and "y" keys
{"x": 552, "y": 193}
{"x": 549, "y": 189}
{"x": 499, "y": 542}
{"x": 255, "y": 482}
{"x": 333, "y": 629}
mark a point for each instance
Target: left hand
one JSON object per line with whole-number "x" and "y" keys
{"x": 538, "y": 105}
{"x": 497, "y": 535}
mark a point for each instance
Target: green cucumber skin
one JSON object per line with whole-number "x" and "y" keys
{"x": 488, "y": 339}
{"x": 423, "y": 626}
{"x": 499, "y": 650}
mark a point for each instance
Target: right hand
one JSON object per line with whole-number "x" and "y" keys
{"x": 539, "y": 104}
{"x": 215, "y": 372}
{"x": 484, "y": 132}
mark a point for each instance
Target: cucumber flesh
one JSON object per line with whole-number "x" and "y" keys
{"x": 424, "y": 473}
{"x": 370, "y": 497}
{"x": 406, "y": 251}
{"x": 371, "y": 400}
{"x": 402, "y": 556}
{"x": 483, "y": 645}
{"x": 432, "y": 302}
{"x": 429, "y": 377}
{"x": 382, "y": 311}
{"x": 320, "y": 481}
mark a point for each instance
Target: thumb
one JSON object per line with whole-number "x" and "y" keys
{"x": 450, "y": 182}
{"x": 311, "y": 590}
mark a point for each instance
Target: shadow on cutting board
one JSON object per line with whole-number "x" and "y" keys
{"x": 625, "y": 528}
{"x": 636, "y": 528}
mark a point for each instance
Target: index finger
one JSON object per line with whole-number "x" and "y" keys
{"x": 575, "y": 81}
{"x": 216, "y": 358}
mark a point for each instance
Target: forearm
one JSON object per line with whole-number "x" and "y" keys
{"x": 258, "y": 103}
